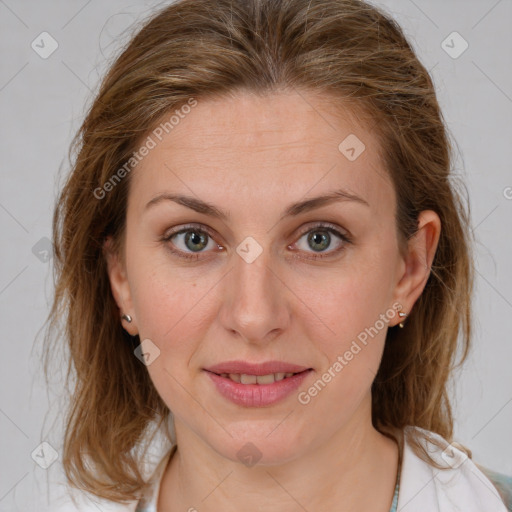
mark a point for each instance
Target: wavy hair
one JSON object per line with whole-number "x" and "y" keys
{"x": 345, "y": 50}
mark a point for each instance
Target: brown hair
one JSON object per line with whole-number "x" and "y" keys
{"x": 344, "y": 49}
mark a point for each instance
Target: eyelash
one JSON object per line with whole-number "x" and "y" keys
{"x": 331, "y": 228}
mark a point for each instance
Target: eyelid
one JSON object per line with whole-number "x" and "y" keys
{"x": 308, "y": 227}
{"x": 187, "y": 227}
{"x": 326, "y": 225}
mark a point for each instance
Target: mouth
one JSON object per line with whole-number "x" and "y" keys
{"x": 269, "y": 378}
{"x": 257, "y": 390}
{"x": 239, "y": 367}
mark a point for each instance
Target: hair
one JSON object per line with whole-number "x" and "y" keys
{"x": 348, "y": 52}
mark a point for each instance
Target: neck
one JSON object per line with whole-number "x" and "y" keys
{"x": 355, "y": 470}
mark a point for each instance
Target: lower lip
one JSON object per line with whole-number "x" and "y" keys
{"x": 257, "y": 395}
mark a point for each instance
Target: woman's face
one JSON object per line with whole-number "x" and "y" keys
{"x": 315, "y": 285}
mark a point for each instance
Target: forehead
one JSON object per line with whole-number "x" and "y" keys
{"x": 281, "y": 146}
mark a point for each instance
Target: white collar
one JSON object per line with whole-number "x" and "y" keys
{"x": 462, "y": 487}
{"x": 423, "y": 488}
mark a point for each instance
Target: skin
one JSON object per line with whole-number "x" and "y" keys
{"x": 253, "y": 156}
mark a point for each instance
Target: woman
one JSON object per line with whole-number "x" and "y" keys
{"x": 262, "y": 253}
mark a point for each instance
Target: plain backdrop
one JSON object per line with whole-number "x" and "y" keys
{"x": 42, "y": 104}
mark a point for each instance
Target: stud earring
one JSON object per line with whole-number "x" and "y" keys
{"x": 128, "y": 318}
{"x": 402, "y": 315}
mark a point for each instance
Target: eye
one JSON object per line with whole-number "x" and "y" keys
{"x": 319, "y": 238}
{"x": 190, "y": 238}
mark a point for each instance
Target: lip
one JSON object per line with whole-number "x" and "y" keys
{"x": 257, "y": 395}
{"x": 256, "y": 368}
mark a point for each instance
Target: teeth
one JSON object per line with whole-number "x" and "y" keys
{"x": 256, "y": 379}
{"x": 266, "y": 379}
{"x": 248, "y": 379}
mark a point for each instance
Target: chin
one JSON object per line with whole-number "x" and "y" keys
{"x": 251, "y": 448}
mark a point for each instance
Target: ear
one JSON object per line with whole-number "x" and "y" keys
{"x": 119, "y": 285}
{"x": 417, "y": 262}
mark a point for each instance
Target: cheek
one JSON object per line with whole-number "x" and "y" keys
{"x": 358, "y": 318}
{"x": 355, "y": 303}
{"x": 351, "y": 296}
{"x": 166, "y": 294}
{"x": 163, "y": 303}
{"x": 172, "y": 313}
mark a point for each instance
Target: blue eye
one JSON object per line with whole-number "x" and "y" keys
{"x": 194, "y": 240}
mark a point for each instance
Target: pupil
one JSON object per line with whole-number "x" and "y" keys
{"x": 195, "y": 238}
{"x": 324, "y": 236}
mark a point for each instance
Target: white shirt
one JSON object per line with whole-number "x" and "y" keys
{"x": 463, "y": 487}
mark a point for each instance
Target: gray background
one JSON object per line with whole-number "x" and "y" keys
{"x": 43, "y": 101}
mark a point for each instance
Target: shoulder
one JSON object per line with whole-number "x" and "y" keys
{"x": 502, "y": 482}
{"x": 449, "y": 481}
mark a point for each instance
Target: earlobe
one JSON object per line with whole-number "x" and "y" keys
{"x": 120, "y": 286}
{"x": 421, "y": 249}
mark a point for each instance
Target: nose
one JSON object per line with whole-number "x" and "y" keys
{"x": 255, "y": 305}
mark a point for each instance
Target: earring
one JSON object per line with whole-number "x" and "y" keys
{"x": 402, "y": 315}
{"x": 128, "y": 318}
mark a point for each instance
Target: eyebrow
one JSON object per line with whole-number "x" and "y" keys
{"x": 291, "y": 211}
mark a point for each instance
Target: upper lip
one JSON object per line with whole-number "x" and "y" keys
{"x": 243, "y": 367}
